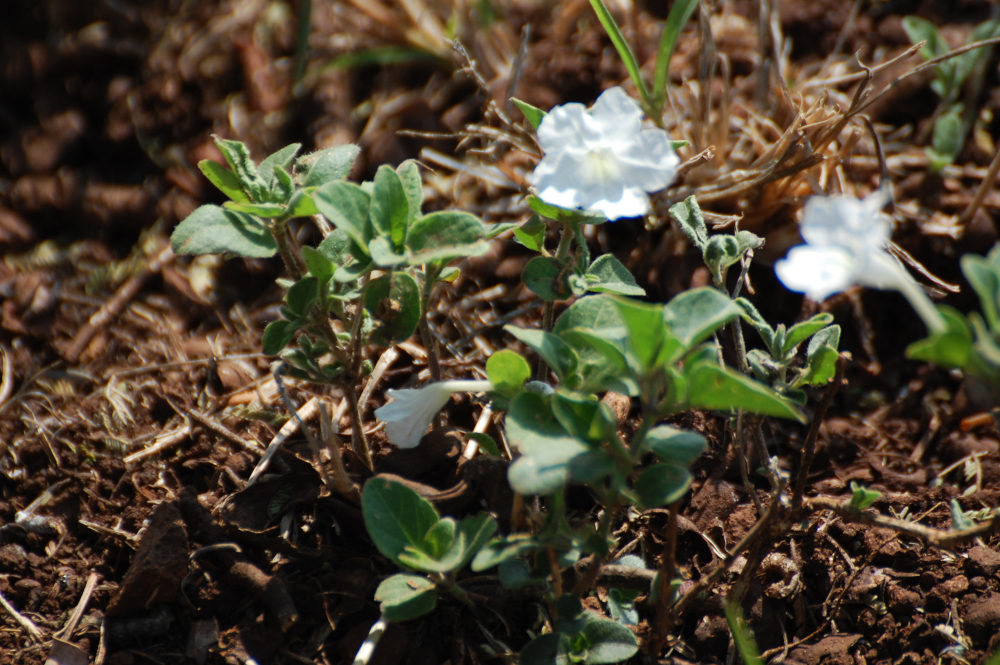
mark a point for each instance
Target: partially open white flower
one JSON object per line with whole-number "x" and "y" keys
{"x": 601, "y": 158}
{"x": 846, "y": 240}
{"x": 845, "y": 245}
{"x": 411, "y": 410}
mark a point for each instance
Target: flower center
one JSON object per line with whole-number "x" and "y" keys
{"x": 601, "y": 165}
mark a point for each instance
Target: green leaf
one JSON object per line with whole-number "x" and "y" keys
{"x": 692, "y": 222}
{"x": 223, "y": 179}
{"x": 545, "y": 277}
{"x": 318, "y": 264}
{"x": 413, "y": 187}
{"x": 947, "y": 139}
{"x": 679, "y": 14}
{"x": 821, "y": 357}
{"x": 624, "y": 52}
{"x": 395, "y": 516}
{"x": 265, "y": 210}
{"x": 720, "y": 252}
{"x": 710, "y": 386}
{"x": 559, "y": 214}
{"x": 336, "y": 247}
{"x": 543, "y": 650}
{"x": 608, "y": 641}
{"x": 346, "y": 205}
{"x": 393, "y": 300}
{"x": 695, "y": 314}
{"x": 921, "y": 30}
{"x": 507, "y": 370}
{"x": 661, "y": 484}
{"x": 752, "y": 316}
{"x": 621, "y": 605}
{"x": 646, "y": 334}
{"x": 390, "y": 209}
{"x": 607, "y": 274}
{"x": 438, "y": 549}
{"x": 383, "y": 254}
{"x": 532, "y": 114}
{"x": 968, "y": 62}
{"x": 403, "y": 597}
{"x": 546, "y": 448}
{"x": 583, "y": 416}
{"x": 301, "y": 205}
{"x": 237, "y": 155}
{"x": 805, "y": 329}
{"x": 302, "y": 295}
{"x": 602, "y": 365}
{"x": 861, "y": 497}
{"x": 211, "y": 229}
{"x": 279, "y": 159}
{"x": 531, "y": 234}
{"x": 503, "y": 549}
{"x": 953, "y": 347}
{"x": 598, "y": 314}
{"x": 476, "y": 530}
{"x": 277, "y": 335}
{"x": 283, "y": 187}
{"x": 556, "y": 353}
{"x": 486, "y": 443}
{"x": 745, "y": 643}
{"x": 328, "y": 165}
{"x": 676, "y": 446}
{"x": 984, "y": 276}
{"x": 441, "y": 236}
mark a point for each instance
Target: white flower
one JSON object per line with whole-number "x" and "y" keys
{"x": 601, "y": 158}
{"x": 846, "y": 241}
{"x": 845, "y": 245}
{"x": 411, "y": 410}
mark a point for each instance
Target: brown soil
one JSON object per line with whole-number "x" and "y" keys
{"x": 139, "y": 401}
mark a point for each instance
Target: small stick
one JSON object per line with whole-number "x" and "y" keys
{"x": 367, "y": 647}
{"x": 214, "y": 425}
{"x": 383, "y": 363}
{"x": 88, "y": 590}
{"x": 33, "y": 631}
{"x": 939, "y": 537}
{"x": 977, "y": 199}
{"x": 7, "y": 379}
{"x": 160, "y": 443}
{"x": 113, "y": 307}
{"x": 471, "y": 448}
{"x": 307, "y": 411}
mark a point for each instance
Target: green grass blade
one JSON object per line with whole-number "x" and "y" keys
{"x": 676, "y": 19}
{"x": 625, "y": 52}
{"x": 746, "y": 645}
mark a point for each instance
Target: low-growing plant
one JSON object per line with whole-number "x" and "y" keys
{"x": 953, "y": 121}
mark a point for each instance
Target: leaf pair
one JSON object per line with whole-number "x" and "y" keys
{"x": 407, "y": 529}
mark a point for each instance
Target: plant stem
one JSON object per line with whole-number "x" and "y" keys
{"x": 431, "y": 272}
{"x": 548, "y": 311}
{"x": 664, "y": 616}
{"x": 358, "y": 439}
{"x": 922, "y": 304}
{"x": 288, "y": 253}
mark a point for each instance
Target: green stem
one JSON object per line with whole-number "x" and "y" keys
{"x": 923, "y": 305}
{"x": 549, "y": 309}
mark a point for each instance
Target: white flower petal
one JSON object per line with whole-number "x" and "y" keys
{"x": 411, "y": 410}
{"x": 601, "y": 159}
{"x": 616, "y": 114}
{"x": 819, "y": 272}
{"x": 564, "y": 128}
